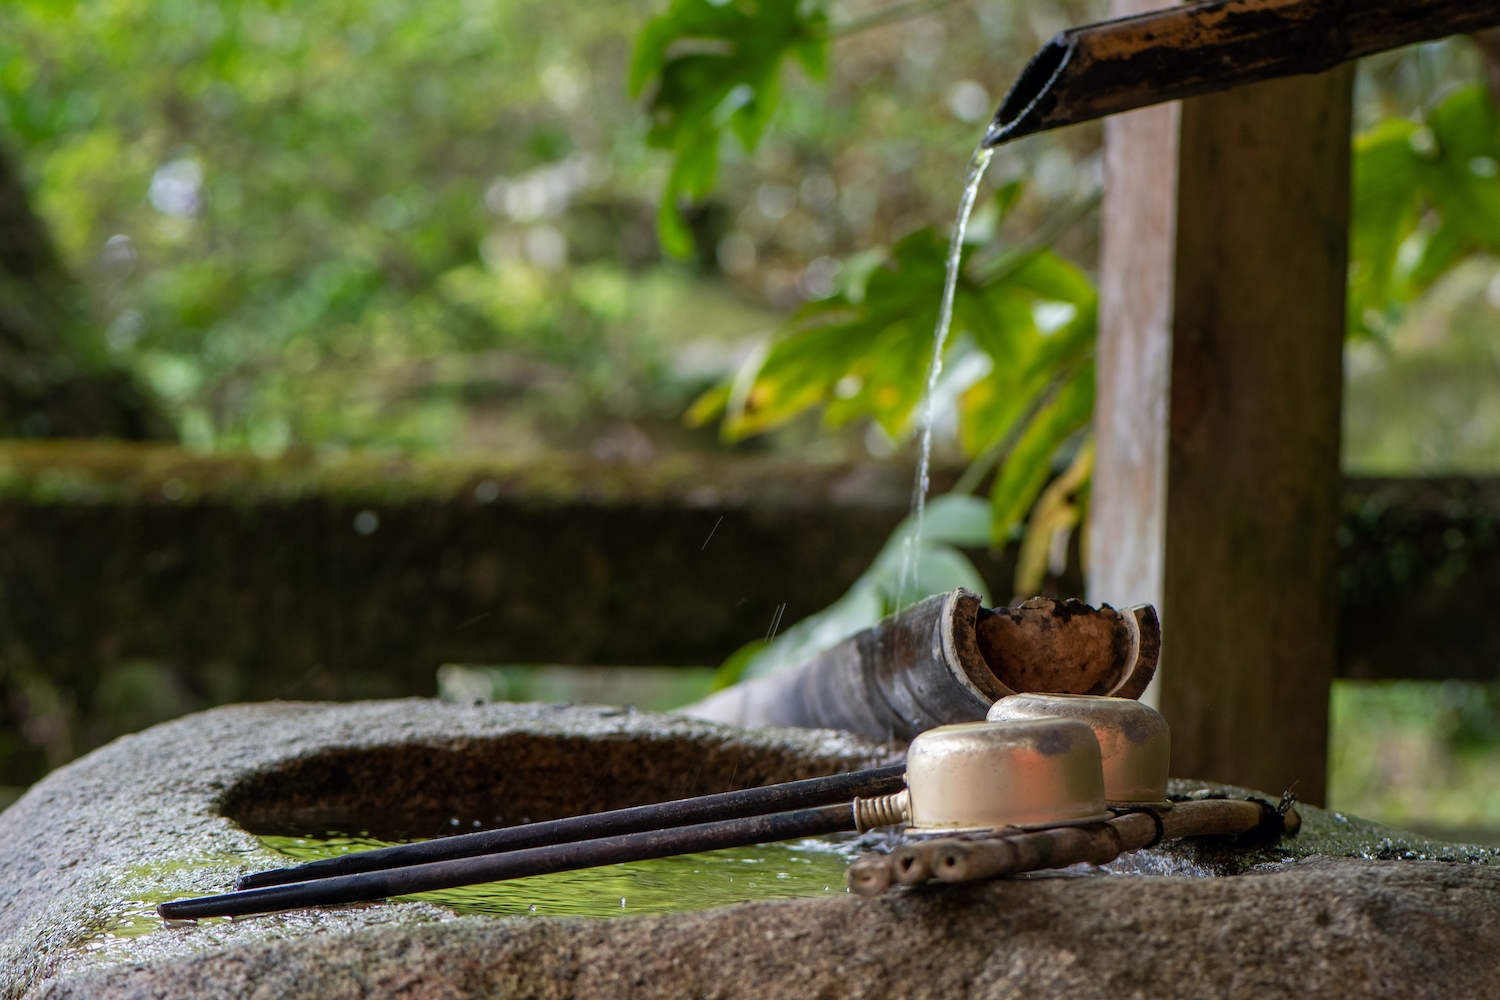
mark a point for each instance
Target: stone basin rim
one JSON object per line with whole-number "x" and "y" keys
{"x": 70, "y": 844}
{"x": 427, "y": 789}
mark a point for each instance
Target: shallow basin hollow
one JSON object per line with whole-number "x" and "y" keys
{"x": 424, "y": 790}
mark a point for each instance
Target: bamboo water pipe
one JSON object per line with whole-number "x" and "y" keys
{"x": 945, "y": 660}
{"x": 1183, "y": 51}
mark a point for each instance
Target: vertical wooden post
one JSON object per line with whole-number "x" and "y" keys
{"x": 1253, "y": 483}
{"x": 1216, "y": 490}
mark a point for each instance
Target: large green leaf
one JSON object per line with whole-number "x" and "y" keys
{"x": 1029, "y": 465}
{"x": 865, "y": 357}
{"x": 1434, "y": 189}
{"x": 1463, "y": 178}
{"x": 1032, "y": 361}
{"x": 870, "y": 357}
{"x": 1384, "y": 211}
{"x": 715, "y": 65}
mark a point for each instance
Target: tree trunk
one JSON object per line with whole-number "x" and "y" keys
{"x": 55, "y": 377}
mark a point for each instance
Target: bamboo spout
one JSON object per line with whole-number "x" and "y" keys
{"x": 1103, "y": 69}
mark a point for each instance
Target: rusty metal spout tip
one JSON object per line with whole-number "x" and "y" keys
{"x": 1022, "y": 111}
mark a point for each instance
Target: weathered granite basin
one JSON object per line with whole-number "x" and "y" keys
{"x": 1349, "y": 909}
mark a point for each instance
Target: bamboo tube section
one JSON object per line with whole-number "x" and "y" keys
{"x": 1103, "y": 69}
{"x": 945, "y": 660}
{"x": 957, "y": 859}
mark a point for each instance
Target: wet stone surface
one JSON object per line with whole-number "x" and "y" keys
{"x": 1346, "y": 909}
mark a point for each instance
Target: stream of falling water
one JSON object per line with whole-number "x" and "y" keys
{"x": 911, "y": 546}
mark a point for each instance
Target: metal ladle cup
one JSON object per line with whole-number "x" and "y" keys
{"x": 1024, "y": 773}
{"x": 1134, "y": 741}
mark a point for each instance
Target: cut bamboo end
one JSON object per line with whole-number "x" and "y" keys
{"x": 912, "y": 864}
{"x": 969, "y": 861}
{"x": 869, "y": 875}
{"x": 1201, "y": 48}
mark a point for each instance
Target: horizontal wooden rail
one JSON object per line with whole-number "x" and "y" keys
{"x": 212, "y": 581}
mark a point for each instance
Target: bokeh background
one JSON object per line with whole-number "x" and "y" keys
{"x": 329, "y": 232}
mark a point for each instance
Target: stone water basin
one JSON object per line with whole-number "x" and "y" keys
{"x": 1348, "y": 909}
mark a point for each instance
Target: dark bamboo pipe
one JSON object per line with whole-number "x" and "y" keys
{"x": 368, "y": 886}
{"x": 946, "y": 659}
{"x": 1103, "y": 69}
{"x": 682, "y": 812}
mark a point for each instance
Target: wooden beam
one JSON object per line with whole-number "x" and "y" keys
{"x": 1253, "y": 484}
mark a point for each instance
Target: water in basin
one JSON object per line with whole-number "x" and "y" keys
{"x": 813, "y": 867}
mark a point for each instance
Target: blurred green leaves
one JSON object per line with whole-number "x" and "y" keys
{"x": 348, "y": 223}
{"x": 1425, "y": 197}
{"x": 910, "y": 566}
{"x": 863, "y": 351}
{"x": 715, "y": 65}
{"x": 1029, "y": 316}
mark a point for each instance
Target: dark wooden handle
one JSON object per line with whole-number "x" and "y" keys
{"x": 967, "y": 860}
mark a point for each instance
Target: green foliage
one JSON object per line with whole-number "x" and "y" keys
{"x": 429, "y": 227}
{"x": 864, "y": 352}
{"x": 1426, "y": 196}
{"x": 715, "y": 65}
{"x": 1060, "y": 509}
{"x": 350, "y": 223}
{"x": 1417, "y": 752}
{"x": 1040, "y": 392}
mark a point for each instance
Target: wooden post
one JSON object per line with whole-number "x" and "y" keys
{"x": 1253, "y": 483}
{"x": 1217, "y": 488}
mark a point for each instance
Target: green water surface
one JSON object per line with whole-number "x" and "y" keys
{"x": 813, "y": 867}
